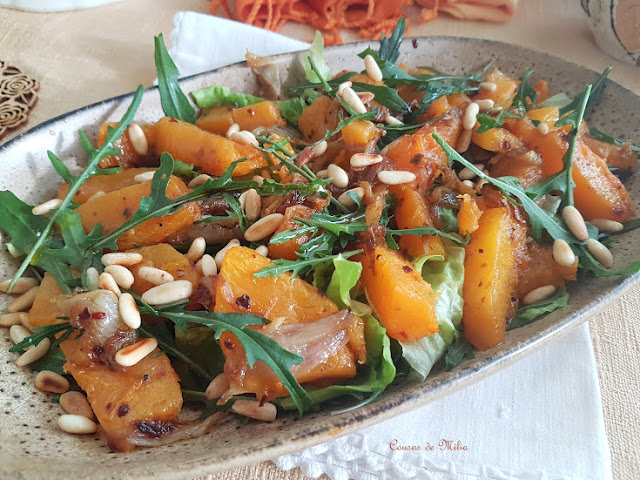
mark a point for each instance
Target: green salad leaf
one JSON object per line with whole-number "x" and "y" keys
{"x": 345, "y": 277}
{"x": 173, "y": 100}
{"x": 603, "y": 137}
{"x": 220, "y": 96}
{"x": 315, "y": 56}
{"x": 456, "y": 353}
{"x": 390, "y": 47}
{"x": 446, "y": 278}
{"x": 21, "y": 224}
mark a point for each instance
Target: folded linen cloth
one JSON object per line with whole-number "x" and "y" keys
{"x": 538, "y": 419}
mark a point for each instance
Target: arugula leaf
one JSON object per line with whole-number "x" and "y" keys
{"x": 219, "y": 96}
{"x": 526, "y": 315}
{"x": 257, "y": 346}
{"x": 384, "y": 95}
{"x": 291, "y": 109}
{"x": 390, "y": 47}
{"x": 596, "y": 93}
{"x": 20, "y": 223}
{"x": 487, "y": 123}
{"x": 563, "y": 180}
{"x": 46, "y": 331}
{"x": 526, "y": 96}
{"x": 315, "y": 68}
{"x": 603, "y": 137}
{"x": 174, "y": 102}
{"x": 95, "y": 155}
{"x": 448, "y": 220}
{"x": 53, "y": 360}
{"x": 559, "y": 100}
{"x": 61, "y": 168}
{"x": 300, "y": 266}
{"x": 456, "y": 353}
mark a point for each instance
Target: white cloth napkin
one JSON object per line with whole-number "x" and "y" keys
{"x": 538, "y": 419}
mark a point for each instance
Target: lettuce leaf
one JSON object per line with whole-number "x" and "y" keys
{"x": 446, "y": 278}
{"x": 220, "y": 96}
{"x": 315, "y": 53}
{"x": 379, "y": 371}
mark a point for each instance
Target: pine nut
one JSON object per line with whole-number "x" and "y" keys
{"x": 338, "y": 175}
{"x": 391, "y": 120}
{"x": 33, "y": 353}
{"x": 372, "y": 68}
{"x": 75, "y": 403}
{"x": 395, "y": 177}
{"x": 252, "y": 409}
{"x": 484, "y": 105}
{"x": 263, "y": 227}
{"x": 563, "y": 254}
{"x": 262, "y": 250}
{"x": 543, "y": 127}
{"x": 11, "y": 319}
{"x": 234, "y": 128}
{"x": 138, "y": 139}
{"x": 132, "y": 354}
{"x": 107, "y": 282}
{"x": 125, "y": 259}
{"x": 353, "y": 100}
{"x": 93, "y": 278}
{"x": 46, "y": 207}
{"x": 320, "y": 148}
{"x": 605, "y": 225}
{"x": 466, "y": 174}
{"x": 129, "y": 311}
{"x": 220, "y": 255}
{"x": 144, "y": 176}
{"x": 17, "y": 333}
{"x": 479, "y": 184}
{"x": 573, "y": 218}
{"x": 488, "y": 86}
{"x": 258, "y": 178}
{"x": 360, "y": 308}
{"x": 123, "y": 277}
{"x": 154, "y": 275}
{"x": 23, "y": 285}
{"x": 464, "y": 141}
{"x": 48, "y": 381}
{"x": 322, "y": 174}
{"x": 77, "y": 424}
{"x": 344, "y": 85}
{"x": 361, "y": 160}
{"x": 539, "y": 294}
{"x": 23, "y": 302}
{"x": 251, "y": 204}
{"x": 169, "y": 292}
{"x": 470, "y": 114}
{"x": 468, "y": 183}
{"x": 199, "y": 180}
{"x": 197, "y": 249}
{"x": 601, "y": 253}
{"x": 96, "y": 195}
{"x": 217, "y": 387}
{"x": 245, "y": 138}
{"x": 346, "y": 200}
{"x": 207, "y": 266}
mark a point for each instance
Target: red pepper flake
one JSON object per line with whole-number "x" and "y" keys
{"x": 123, "y": 410}
{"x": 84, "y": 314}
{"x": 244, "y": 302}
{"x": 228, "y": 343}
{"x": 98, "y": 315}
{"x": 263, "y": 400}
{"x": 407, "y": 269}
{"x": 173, "y": 120}
{"x": 414, "y": 43}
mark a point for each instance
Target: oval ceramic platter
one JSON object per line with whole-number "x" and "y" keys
{"x": 31, "y": 444}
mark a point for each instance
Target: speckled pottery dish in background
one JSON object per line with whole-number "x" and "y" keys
{"x": 32, "y": 445}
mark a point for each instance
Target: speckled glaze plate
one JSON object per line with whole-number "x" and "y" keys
{"x": 32, "y": 446}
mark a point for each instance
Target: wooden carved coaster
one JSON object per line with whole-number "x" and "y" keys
{"x": 17, "y": 96}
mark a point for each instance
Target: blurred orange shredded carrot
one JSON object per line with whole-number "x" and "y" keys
{"x": 370, "y": 17}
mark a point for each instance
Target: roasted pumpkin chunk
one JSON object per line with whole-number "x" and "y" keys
{"x": 164, "y": 257}
{"x": 401, "y": 298}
